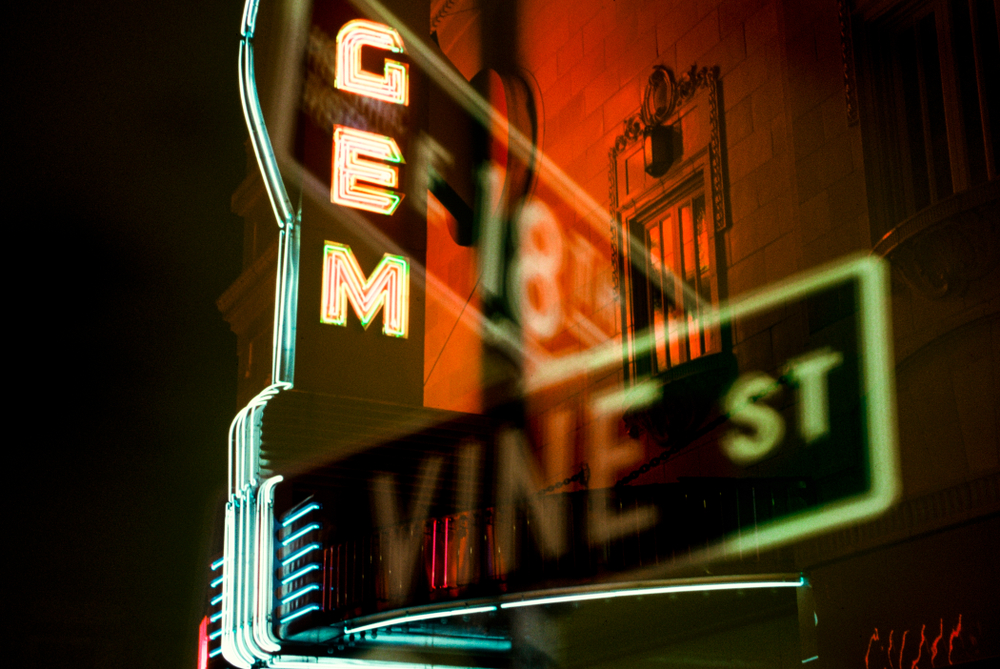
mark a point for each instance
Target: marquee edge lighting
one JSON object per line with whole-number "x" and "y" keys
{"x": 393, "y": 85}
{"x": 655, "y": 590}
{"x": 354, "y": 170}
{"x": 388, "y": 289}
{"x": 433, "y": 615}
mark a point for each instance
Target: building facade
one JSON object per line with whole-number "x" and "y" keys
{"x": 654, "y": 162}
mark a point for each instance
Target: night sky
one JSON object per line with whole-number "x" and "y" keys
{"x": 127, "y": 143}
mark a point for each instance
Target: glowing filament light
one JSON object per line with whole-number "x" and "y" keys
{"x": 352, "y": 150}
{"x": 388, "y": 288}
{"x": 392, "y": 85}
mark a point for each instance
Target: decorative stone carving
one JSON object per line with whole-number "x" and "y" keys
{"x": 941, "y": 249}
{"x": 663, "y": 95}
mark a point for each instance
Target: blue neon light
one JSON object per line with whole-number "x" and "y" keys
{"x": 305, "y": 530}
{"x": 217, "y": 582}
{"x": 218, "y": 563}
{"x": 216, "y": 599}
{"x": 288, "y": 520}
{"x": 215, "y": 651}
{"x": 215, "y": 617}
{"x": 810, "y": 659}
{"x": 298, "y": 593}
{"x": 300, "y": 573}
{"x": 300, "y": 612}
{"x": 215, "y": 635}
{"x": 305, "y": 551}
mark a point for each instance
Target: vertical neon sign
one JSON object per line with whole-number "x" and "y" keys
{"x": 365, "y": 176}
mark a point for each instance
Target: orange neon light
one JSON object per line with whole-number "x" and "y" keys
{"x": 351, "y": 150}
{"x": 388, "y": 288}
{"x": 392, "y": 85}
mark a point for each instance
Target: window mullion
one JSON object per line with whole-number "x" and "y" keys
{"x": 982, "y": 86}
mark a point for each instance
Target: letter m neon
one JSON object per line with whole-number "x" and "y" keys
{"x": 388, "y": 288}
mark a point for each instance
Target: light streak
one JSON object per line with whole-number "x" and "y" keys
{"x": 288, "y": 520}
{"x": 420, "y": 616}
{"x": 388, "y": 288}
{"x": 888, "y": 652}
{"x": 300, "y": 533}
{"x": 301, "y": 612}
{"x": 810, "y": 659}
{"x": 659, "y": 590}
{"x": 393, "y": 85}
{"x": 354, "y": 155}
{"x": 902, "y": 647}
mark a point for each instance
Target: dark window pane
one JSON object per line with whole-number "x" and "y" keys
{"x": 968, "y": 90}
{"x": 913, "y": 110}
{"x": 931, "y": 65}
{"x": 989, "y": 61}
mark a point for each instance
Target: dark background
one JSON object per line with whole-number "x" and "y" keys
{"x": 125, "y": 138}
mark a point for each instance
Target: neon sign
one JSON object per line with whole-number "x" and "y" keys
{"x": 393, "y": 85}
{"x": 350, "y": 148}
{"x": 388, "y": 288}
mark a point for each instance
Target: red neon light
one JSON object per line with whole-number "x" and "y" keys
{"x": 872, "y": 639}
{"x": 388, "y": 289}
{"x": 354, "y": 155}
{"x": 203, "y": 643}
{"x": 934, "y": 646}
{"x": 920, "y": 648}
{"x": 434, "y": 552}
{"x": 951, "y": 638}
{"x": 392, "y": 85}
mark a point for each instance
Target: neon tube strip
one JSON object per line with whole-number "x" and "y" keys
{"x": 288, "y": 520}
{"x": 300, "y": 613}
{"x": 298, "y": 534}
{"x": 420, "y": 616}
{"x": 388, "y": 289}
{"x": 264, "y": 602}
{"x": 300, "y": 592}
{"x": 300, "y": 573}
{"x": 300, "y": 553}
{"x": 393, "y": 85}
